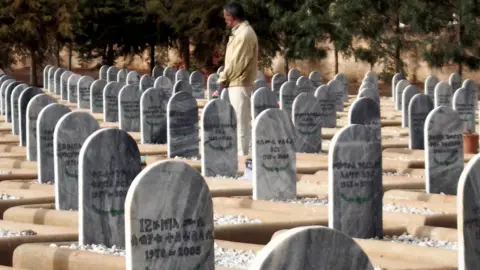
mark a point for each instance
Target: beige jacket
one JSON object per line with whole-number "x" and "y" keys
{"x": 241, "y": 58}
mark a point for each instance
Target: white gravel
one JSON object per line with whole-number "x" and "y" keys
{"x": 9, "y": 233}
{"x": 231, "y": 219}
{"x": 311, "y": 200}
{"x": 9, "y": 197}
{"x": 424, "y": 242}
{"x": 401, "y": 174}
{"x": 231, "y": 258}
{"x": 5, "y": 172}
{"x": 182, "y": 158}
{"x": 95, "y": 248}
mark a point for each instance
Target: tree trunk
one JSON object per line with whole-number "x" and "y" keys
{"x": 152, "y": 56}
{"x": 185, "y": 48}
{"x": 398, "y": 43}
{"x": 459, "y": 41}
{"x": 33, "y": 67}
{"x": 70, "y": 53}
{"x": 336, "y": 59}
{"x": 110, "y": 54}
{"x": 287, "y": 69}
{"x": 57, "y": 47}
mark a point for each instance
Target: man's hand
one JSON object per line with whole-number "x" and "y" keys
{"x": 223, "y": 85}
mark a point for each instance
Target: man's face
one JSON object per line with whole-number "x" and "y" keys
{"x": 229, "y": 20}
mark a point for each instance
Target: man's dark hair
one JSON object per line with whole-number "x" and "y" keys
{"x": 236, "y": 10}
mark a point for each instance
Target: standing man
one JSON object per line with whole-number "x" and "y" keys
{"x": 240, "y": 71}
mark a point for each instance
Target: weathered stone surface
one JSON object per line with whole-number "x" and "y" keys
{"x": 182, "y": 86}
{"x": 316, "y": 78}
{"x": 163, "y": 83}
{"x": 443, "y": 95}
{"x": 23, "y": 101}
{"x": 464, "y": 105}
{"x": 34, "y": 107}
{"x": 277, "y": 81}
{"x": 182, "y": 75}
{"x": 418, "y": 110}
{"x": 153, "y": 115}
{"x": 110, "y": 101}
{"x": 15, "y": 117}
{"x": 102, "y": 73}
{"x": 430, "y": 84}
{"x": 133, "y": 77}
{"x": 122, "y": 76}
{"x": 307, "y": 120}
{"x": 8, "y": 100}
{"x": 212, "y": 85}
{"x": 366, "y": 112}
{"x": 83, "y": 92}
{"x": 293, "y": 75}
{"x": 288, "y": 93}
{"x": 401, "y": 85}
{"x": 304, "y": 85}
{"x": 262, "y": 99}
{"x": 129, "y": 108}
{"x": 455, "y": 81}
{"x": 408, "y": 94}
{"x": 58, "y": 82}
{"x": 197, "y": 81}
{"x": 395, "y": 80}
{"x": 112, "y": 73}
{"x": 336, "y": 88}
{"x": 157, "y": 71}
{"x": 169, "y": 72}
{"x": 96, "y": 96}
{"x": 369, "y": 93}
{"x": 327, "y": 102}
{"x": 73, "y": 88}
{"x": 146, "y": 81}
{"x": 64, "y": 86}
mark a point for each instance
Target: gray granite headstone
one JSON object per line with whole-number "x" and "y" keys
{"x": 96, "y": 96}
{"x": 355, "y": 182}
{"x": 305, "y": 85}
{"x": 366, "y": 85}
{"x": 8, "y": 100}
{"x": 64, "y": 85}
{"x": 109, "y": 160}
{"x": 102, "y": 73}
{"x": 182, "y": 126}
{"x": 46, "y": 122}
{"x": 182, "y": 75}
{"x": 219, "y": 139}
{"x": 430, "y": 84}
{"x": 110, "y": 101}
{"x": 262, "y": 100}
{"x": 260, "y": 75}
{"x": 153, "y": 115}
{"x": 164, "y": 83}
{"x": 395, "y": 80}
{"x": 157, "y": 71}
{"x": 369, "y": 93}
{"x": 418, "y": 110}
{"x": 464, "y": 105}
{"x": 468, "y": 220}
{"x": 181, "y": 205}
{"x": 341, "y": 77}
{"x": 23, "y": 101}
{"x": 443, "y": 95}
{"x": 455, "y": 81}
{"x": 3, "y": 89}
{"x": 146, "y": 81}
{"x": 46, "y": 69}
{"x": 83, "y": 92}
{"x": 366, "y": 112}
{"x": 133, "y": 77}
{"x": 212, "y": 85}
{"x": 277, "y": 81}
{"x": 274, "y": 157}
{"x": 401, "y": 85}
{"x": 34, "y": 107}
{"x": 112, "y": 73}
{"x": 316, "y": 78}
{"x": 51, "y": 79}
{"x": 182, "y": 86}
{"x": 472, "y": 90}
{"x": 15, "y": 96}
{"x": 122, "y": 75}
{"x": 58, "y": 82}
{"x": 408, "y": 94}
{"x": 70, "y": 133}
{"x": 293, "y": 75}
{"x": 259, "y": 84}
{"x": 73, "y": 88}
{"x": 327, "y": 102}
{"x": 170, "y": 73}
{"x": 224, "y": 95}
{"x": 288, "y": 93}
{"x": 197, "y": 82}
{"x": 307, "y": 120}
{"x": 336, "y": 88}
{"x": 129, "y": 108}
{"x": 443, "y": 150}
{"x": 325, "y": 246}
{"x": 220, "y": 70}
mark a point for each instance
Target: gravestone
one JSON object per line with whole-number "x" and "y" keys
{"x": 464, "y": 105}
{"x": 274, "y": 157}
{"x": 259, "y": 84}
{"x": 443, "y": 150}
{"x": 472, "y": 90}
{"x": 153, "y": 115}
{"x": 102, "y": 73}
{"x": 366, "y": 85}
{"x": 182, "y": 200}
{"x": 288, "y": 93}
{"x": 304, "y": 85}
{"x": 224, "y": 95}
{"x": 157, "y": 71}
{"x": 110, "y": 101}
{"x": 51, "y": 79}
{"x": 307, "y": 120}
{"x": 83, "y": 92}
{"x": 336, "y": 90}
{"x": 260, "y": 76}
{"x": 3, "y": 98}
{"x": 23, "y": 101}
{"x": 46, "y": 122}
{"x": 163, "y": 83}
{"x": 122, "y": 75}
{"x": 355, "y": 182}
{"x": 212, "y": 85}
{"x": 73, "y": 88}
{"x": 418, "y": 110}
{"x": 455, "y": 81}
{"x": 219, "y": 139}
{"x": 327, "y": 104}
{"x": 96, "y": 96}
{"x": 170, "y": 73}
{"x": 369, "y": 93}
{"x": 197, "y": 82}
{"x": 182, "y": 75}
{"x": 15, "y": 96}
{"x": 371, "y": 77}
{"x": 468, "y": 225}
{"x": 112, "y": 74}
{"x": 34, "y": 107}
{"x": 366, "y": 112}
{"x": 430, "y": 84}
{"x": 293, "y": 75}
{"x": 8, "y": 100}
{"x": 182, "y": 86}
{"x": 277, "y": 81}
{"x": 395, "y": 80}
{"x": 262, "y": 100}
{"x": 109, "y": 160}
{"x": 443, "y": 95}
{"x": 146, "y": 81}
{"x": 58, "y": 82}
{"x": 129, "y": 108}
{"x": 316, "y": 79}
{"x": 286, "y": 251}
{"x": 133, "y": 77}
{"x": 182, "y": 125}
{"x": 64, "y": 85}
{"x": 408, "y": 94}
{"x": 342, "y": 78}
{"x": 220, "y": 70}
{"x": 371, "y": 74}
{"x": 46, "y": 69}
{"x": 70, "y": 133}
{"x": 401, "y": 85}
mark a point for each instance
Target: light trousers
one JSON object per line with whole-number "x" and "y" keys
{"x": 240, "y": 100}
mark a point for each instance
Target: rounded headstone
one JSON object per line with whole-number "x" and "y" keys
{"x": 455, "y": 81}
{"x": 220, "y": 70}
{"x": 260, "y": 76}
{"x": 112, "y": 73}
{"x": 102, "y": 73}
{"x": 170, "y": 73}
{"x": 401, "y": 85}
{"x": 259, "y": 84}
{"x": 418, "y": 110}
{"x": 464, "y": 105}
{"x": 163, "y": 83}
{"x": 58, "y": 82}
{"x": 3, "y": 89}
{"x": 51, "y": 79}
{"x": 157, "y": 71}
{"x": 46, "y": 69}
{"x": 122, "y": 75}
{"x": 129, "y": 108}
{"x": 337, "y": 89}
{"x": 23, "y": 101}
{"x": 64, "y": 84}
{"x": 327, "y": 102}
{"x": 133, "y": 77}
{"x": 34, "y": 107}
{"x": 146, "y": 81}
{"x": 110, "y": 101}
{"x": 73, "y": 88}
{"x": 408, "y": 94}
{"x": 288, "y": 93}
{"x": 17, "y": 91}
{"x": 263, "y": 99}
{"x": 8, "y": 100}
{"x": 430, "y": 84}
{"x": 472, "y": 90}
{"x": 182, "y": 75}
{"x": 307, "y": 119}
{"x": 369, "y": 93}
{"x": 153, "y": 115}
{"x": 182, "y": 86}
{"x": 343, "y": 78}
{"x": 305, "y": 85}
{"x": 83, "y": 92}
{"x": 443, "y": 95}
{"x": 96, "y": 96}
{"x": 395, "y": 79}
{"x": 293, "y": 75}
{"x": 212, "y": 85}
{"x": 197, "y": 82}
{"x": 316, "y": 78}
{"x": 277, "y": 81}
{"x": 366, "y": 112}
